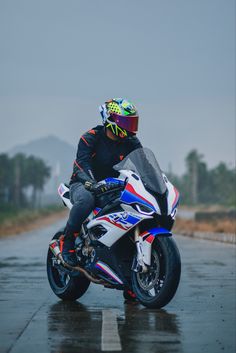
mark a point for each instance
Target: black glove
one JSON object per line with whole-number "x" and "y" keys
{"x": 98, "y": 189}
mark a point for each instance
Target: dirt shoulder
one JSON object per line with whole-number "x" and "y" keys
{"x": 218, "y": 230}
{"x": 28, "y": 222}
{"x": 217, "y": 226}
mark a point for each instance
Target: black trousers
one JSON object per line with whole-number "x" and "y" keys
{"x": 83, "y": 204}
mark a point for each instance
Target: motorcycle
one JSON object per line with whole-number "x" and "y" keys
{"x": 126, "y": 242}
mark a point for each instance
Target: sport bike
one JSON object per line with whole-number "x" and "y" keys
{"x": 126, "y": 242}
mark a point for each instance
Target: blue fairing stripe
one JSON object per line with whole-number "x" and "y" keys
{"x": 114, "y": 180}
{"x": 132, "y": 219}
{"x": 130, "y": 198}
{"x": 159, "y": 231}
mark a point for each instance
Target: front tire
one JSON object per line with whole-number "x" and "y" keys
{"x": 63, "y": 285}
{"x": 158, "y": 286}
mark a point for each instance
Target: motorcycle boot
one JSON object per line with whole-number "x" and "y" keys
{"x": 68, "y": 251}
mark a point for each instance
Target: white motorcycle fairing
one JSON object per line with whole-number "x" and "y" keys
{"x": 137, "y": 204}
{"x": 146, "y": 239}
{"x": 64, "y": 193}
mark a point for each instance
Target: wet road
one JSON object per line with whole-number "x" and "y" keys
{"x": 201, "y": 317}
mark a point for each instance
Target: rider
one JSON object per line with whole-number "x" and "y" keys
{"x": 98, "y": 151}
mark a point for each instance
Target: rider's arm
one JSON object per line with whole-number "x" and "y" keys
{"x": 83, "y": 164}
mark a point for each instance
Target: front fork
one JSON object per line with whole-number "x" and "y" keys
{"x": 138, "y": 264}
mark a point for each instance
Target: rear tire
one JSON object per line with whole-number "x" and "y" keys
{"x": 63, "y": 285}
{"x": 156, "y": 288}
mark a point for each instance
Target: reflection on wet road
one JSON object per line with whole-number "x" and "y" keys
{"x": 140, "y": 330}
{"x": 201, "y": 317}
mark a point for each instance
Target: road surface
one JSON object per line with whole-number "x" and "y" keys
{"x": 201, "y": 317}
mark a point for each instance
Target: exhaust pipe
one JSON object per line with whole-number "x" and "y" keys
{"x": 55, "y": 249}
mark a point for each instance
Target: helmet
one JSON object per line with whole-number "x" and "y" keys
{"x": 120, "y": 116}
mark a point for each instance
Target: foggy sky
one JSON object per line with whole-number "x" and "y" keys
{"x": 174, "y": 59}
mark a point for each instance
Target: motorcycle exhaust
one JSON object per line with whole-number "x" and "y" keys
{"x": 55, "y": 249}
{"x": 80, "y": 269}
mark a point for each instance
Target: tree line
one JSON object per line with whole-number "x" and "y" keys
{"x": 22, "y": 179}
{"x": 201, "y": 185}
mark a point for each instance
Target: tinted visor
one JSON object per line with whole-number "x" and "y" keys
{"x": 129, "y": 123}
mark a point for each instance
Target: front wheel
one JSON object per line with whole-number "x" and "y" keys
{"x": 157, "y": 287}
{"x": 63, "y": 285}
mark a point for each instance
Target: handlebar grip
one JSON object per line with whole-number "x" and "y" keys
{"x": 109, "y": 188}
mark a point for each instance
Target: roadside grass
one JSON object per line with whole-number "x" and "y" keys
{"x": 13, "y": 221}
{"x": 14, "y": 216}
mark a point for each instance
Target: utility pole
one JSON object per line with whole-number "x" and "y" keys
{"x": 17, "y": 183}
{"x": 194, "y": 182}
{"x": 57, "y": 173}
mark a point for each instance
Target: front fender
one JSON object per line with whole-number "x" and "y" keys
{"x": 159, "y": 231}
{"x": 146, "y": 239}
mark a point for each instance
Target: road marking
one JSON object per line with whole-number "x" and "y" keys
{"x": 110, "y": 335}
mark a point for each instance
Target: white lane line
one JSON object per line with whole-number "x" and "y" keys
{"x": 110, "y": 335}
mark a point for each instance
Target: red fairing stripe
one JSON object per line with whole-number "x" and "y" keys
{"x": 130, "y": 188}
{"x": 176, "y": 196}
{"x": 108, "y": 220}
{"x": 150, "y": 238}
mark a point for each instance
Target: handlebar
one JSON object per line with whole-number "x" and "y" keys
{"x": 101, "y": 189}
{"x": 110, "y": 188}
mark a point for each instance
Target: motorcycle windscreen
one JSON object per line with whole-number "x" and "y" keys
{"x": 143, "y": 162}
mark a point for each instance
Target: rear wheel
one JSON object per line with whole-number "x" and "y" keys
{"x": 64, "y": 285}
{"x": 157, "y": 287}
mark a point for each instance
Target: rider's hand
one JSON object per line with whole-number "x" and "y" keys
{"x": 90, "y": 185}
{"x": 98, "y": 189}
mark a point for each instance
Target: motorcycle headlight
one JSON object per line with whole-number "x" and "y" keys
{"x": 144, "y": 209}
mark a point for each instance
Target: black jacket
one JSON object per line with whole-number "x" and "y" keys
{"x": 97, "y": 154}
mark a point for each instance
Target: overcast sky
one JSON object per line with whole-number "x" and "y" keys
{"x": 175, "y": 59}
